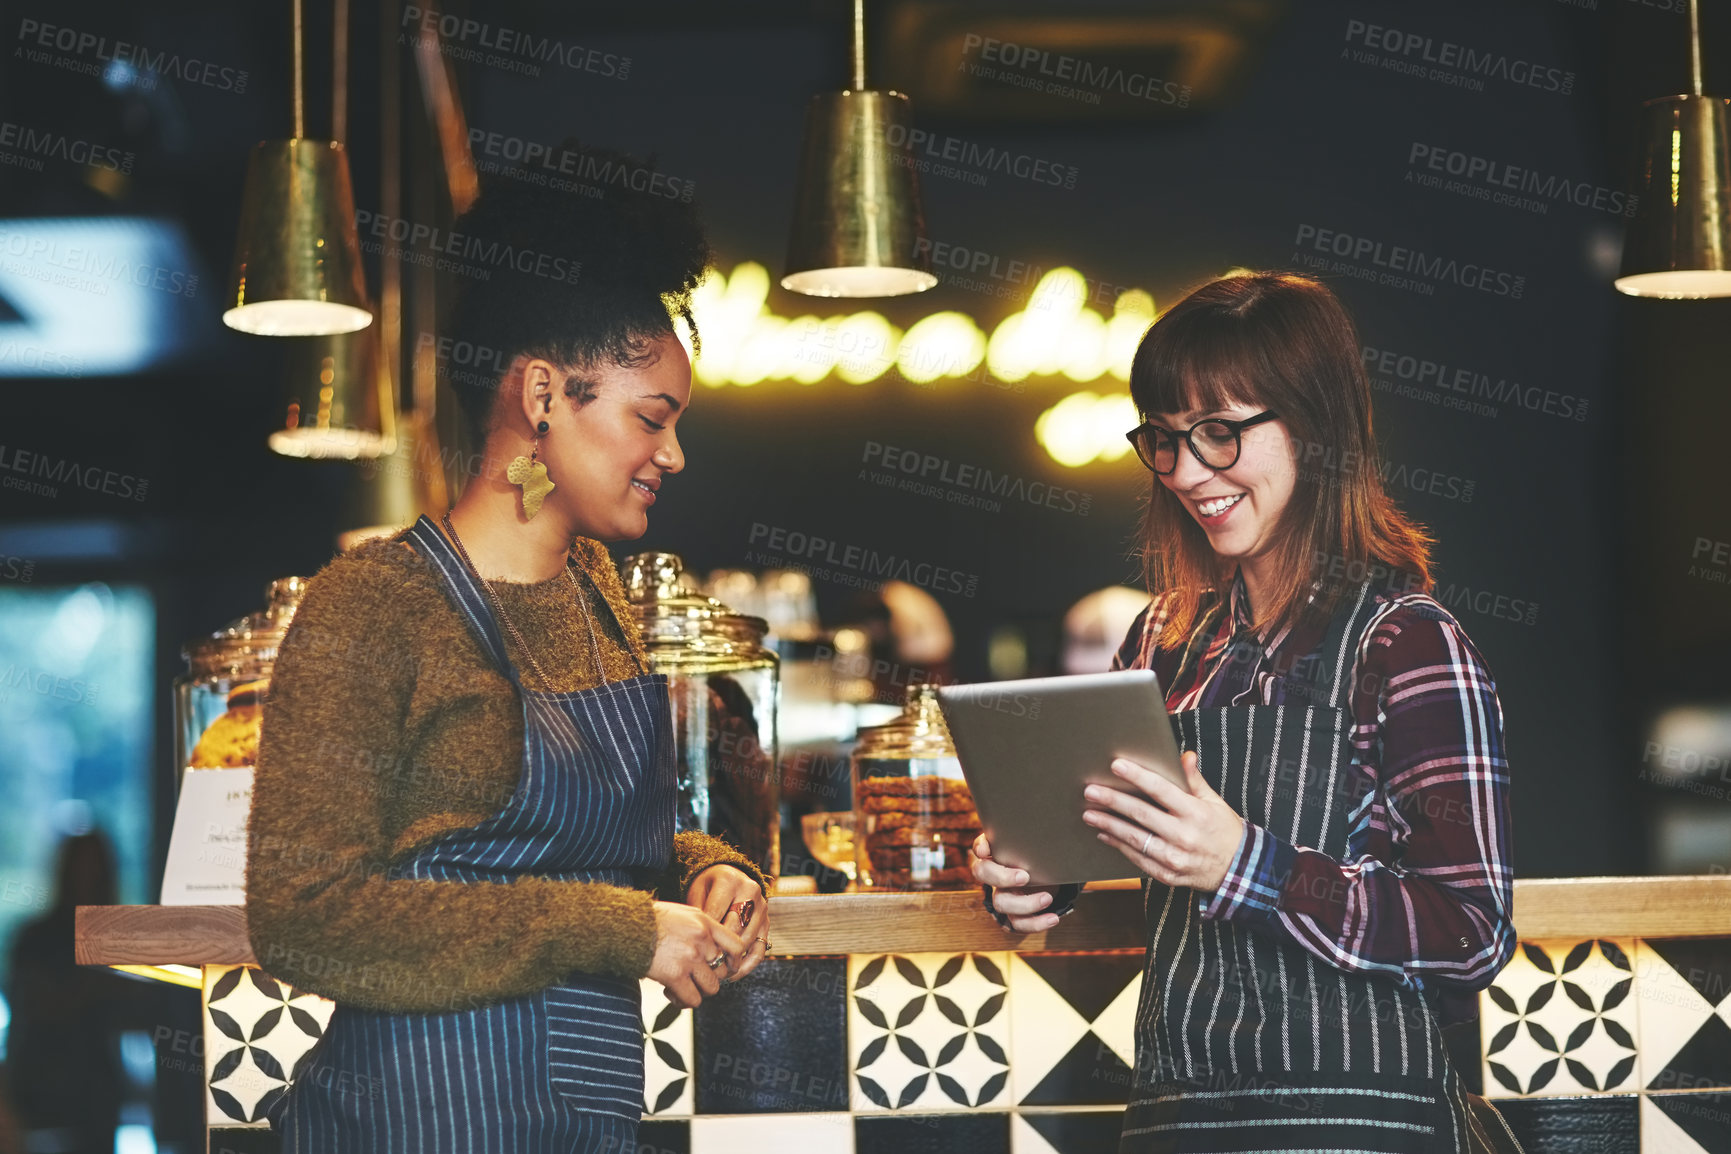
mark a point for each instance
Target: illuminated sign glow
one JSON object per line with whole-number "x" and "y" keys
{"x": 1054, "y": 336}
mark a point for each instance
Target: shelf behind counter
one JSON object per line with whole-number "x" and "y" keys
{"x": 1108, "y": 916}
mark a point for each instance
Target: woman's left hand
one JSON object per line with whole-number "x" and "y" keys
{"x": 1182, "y": 839}
{"x": 721, "y": 891}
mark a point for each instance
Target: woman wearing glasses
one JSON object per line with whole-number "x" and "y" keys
{"x": 1335, "y": 883}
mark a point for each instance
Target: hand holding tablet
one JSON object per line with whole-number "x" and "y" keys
{"x": 1023, "y": 906}
{"x": 1050, "y": 760}
{"x": 1029, "y": 748}
{"x": 1177, "y": 836}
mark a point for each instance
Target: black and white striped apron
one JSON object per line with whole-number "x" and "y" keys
{"x": 1244, "y": 1041}
{"x": 559, "y": 1070}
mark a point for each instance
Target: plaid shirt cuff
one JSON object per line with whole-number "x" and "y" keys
{"x": 1251, "y": 889}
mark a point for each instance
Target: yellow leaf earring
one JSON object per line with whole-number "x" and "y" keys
{"x": 529, "y": 474}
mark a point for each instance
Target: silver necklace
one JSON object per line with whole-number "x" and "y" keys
{"x": 499, "y": 608}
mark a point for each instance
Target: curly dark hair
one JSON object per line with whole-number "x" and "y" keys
{"x": 588, "y": 272}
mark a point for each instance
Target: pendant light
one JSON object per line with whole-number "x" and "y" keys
{"x": 341, "y": 402}
{"x": 297, "y": 262}
{"x": 857, "y": 226}
{"x": 1679, "y": 244}
{"x": 387, "y": 493}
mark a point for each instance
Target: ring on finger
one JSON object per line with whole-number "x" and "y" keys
{"x": 716, "y": 961}
{"x": 1146, "y": 841}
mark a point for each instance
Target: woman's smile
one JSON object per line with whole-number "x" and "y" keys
{"x": 1212, "y": 511}
{"x": 1239, "y": 506}
{"x": 627, "y": 427}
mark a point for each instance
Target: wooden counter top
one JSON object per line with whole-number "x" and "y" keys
{"x": 1107, "y": 917}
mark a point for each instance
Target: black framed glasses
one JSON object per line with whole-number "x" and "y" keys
{"x": 1215, "y": 442}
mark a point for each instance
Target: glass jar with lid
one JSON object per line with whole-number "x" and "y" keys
{"x": 219, "y": 700}
{"x": 914, "y": 817}
{"x": 723, "y": 685}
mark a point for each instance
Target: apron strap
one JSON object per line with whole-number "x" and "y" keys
{"x": 1340, "y": 644}
{"x": 463, "y": 590}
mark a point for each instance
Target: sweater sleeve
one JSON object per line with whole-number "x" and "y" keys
{"x": 326, "y": 910}
{"x": 694, "y": 852}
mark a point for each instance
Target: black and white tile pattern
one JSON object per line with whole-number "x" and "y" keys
{"x": 257, "y": 1033}
{"x": 1685, "y": 1013}
{"x": 668, "y": 1057}
{"x": 1562, "y": 1019}
{"x": 1073, "y": 1028}
{"x": 1066, "y": 1131}
{"x": 1642, "y": 1028}
{"x": 928, "y": 1032}
{"x": 1031, "y": 1053}
{"x": 1685, "y": 1123}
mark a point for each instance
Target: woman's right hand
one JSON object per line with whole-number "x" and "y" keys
{"x": 1012, "y": 896}
{"x": 686, "y": 941}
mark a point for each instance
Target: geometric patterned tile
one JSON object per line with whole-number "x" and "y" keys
{"x": 984, "y": 1132}
{"x": 667, "y": 1054}
{"x": 1072, "y": 1028}
{"x": 257, "y": 1035}
{"x": 1686, "y": 1123}
{"x": 1685, "y": 996}
{"x": 928, "y": 1032}
{"x": 830, "y": 1133}
{"x": 1705, "y": 963}
{"x": 1066, "y": 1132}
{"x": 1560, "y": 1019}
{"x": 1703, "y": 1062}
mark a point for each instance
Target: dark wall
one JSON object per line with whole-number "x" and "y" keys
{"x": 1526, "y": 496}
{"x": 1313, "y": 141}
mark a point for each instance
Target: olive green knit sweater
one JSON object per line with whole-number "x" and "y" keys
{"x": 387, "y": 726}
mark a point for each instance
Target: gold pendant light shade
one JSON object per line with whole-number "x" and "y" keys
{"x": 857, "y": 226}
{"x": 297, "y": 263}
{"x": 340, "y": 400}
{"x": 1679, "y": 244}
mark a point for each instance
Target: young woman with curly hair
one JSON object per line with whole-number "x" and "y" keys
{"x": 463, "y": 822}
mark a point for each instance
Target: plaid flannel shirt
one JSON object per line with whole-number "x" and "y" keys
{"x": 1425, "y": 891}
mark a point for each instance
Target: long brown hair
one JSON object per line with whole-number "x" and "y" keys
{"x": 1283, "y": 342}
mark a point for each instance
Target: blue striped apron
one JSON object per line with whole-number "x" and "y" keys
{"x": 1244, "y": 1041}
{"x": 558, "y": 1070}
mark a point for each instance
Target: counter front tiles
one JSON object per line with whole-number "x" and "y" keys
{"x": 258, "y": 1032}
{"x": 1685, "y": 1007}
{"x": 781, "y": 1062}
{"x": 777, "y": 1042}
{"x": 1072, "y": 1027}
{"x": 1562, "y": 1019}
{"x": 1608, "y": 1044}
{"x": 929, "y": 1032}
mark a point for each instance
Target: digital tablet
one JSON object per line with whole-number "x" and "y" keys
{"x": 1028, "y": 748}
